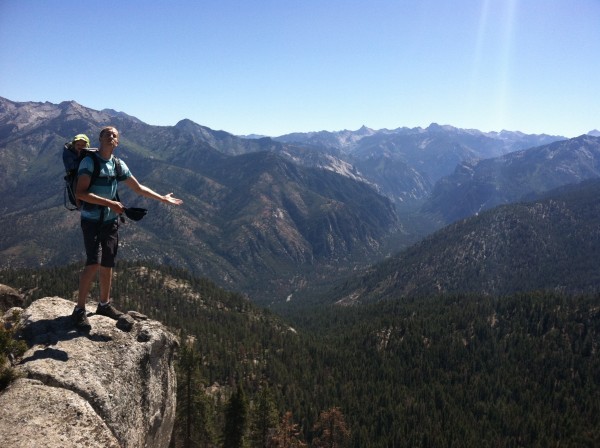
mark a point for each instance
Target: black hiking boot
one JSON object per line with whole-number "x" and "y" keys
{"x": 80, "y": 319}
{"x": 108, "y": 311}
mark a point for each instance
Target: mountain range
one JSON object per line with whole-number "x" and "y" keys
{"x": 481, "y": 185}
{"x": 406, "y": 163}
{"x": 278, "y": 217}
{"x": 252, "y": 220}
{"x": 549, "y": 244}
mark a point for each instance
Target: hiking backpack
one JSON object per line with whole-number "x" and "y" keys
{"x": 71, "y": 160}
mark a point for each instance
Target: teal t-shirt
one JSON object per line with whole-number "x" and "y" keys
{"x": 105, "y": 185}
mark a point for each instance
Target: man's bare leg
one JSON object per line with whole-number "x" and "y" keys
{"x": 105, "y": 283}
{"x": 85, "y": 283}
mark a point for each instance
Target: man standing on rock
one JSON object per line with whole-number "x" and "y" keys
{"x": 98, "y": 177}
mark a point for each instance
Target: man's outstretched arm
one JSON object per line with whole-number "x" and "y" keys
{"x": 142, "y": 190}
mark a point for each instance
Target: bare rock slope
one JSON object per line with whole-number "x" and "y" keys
{"x": 112, "y": 387}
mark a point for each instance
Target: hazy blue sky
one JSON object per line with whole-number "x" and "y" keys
{"x": 277, "y": 66}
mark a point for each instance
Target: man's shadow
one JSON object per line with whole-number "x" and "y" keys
{"x": 49, "y": 332}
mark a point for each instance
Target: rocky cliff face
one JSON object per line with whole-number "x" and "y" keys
{"x": 112, "y": 387}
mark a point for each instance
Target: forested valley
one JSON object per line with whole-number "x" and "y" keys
{"x": 460, "y": 370}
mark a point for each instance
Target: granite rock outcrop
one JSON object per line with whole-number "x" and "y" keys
{"x": 114, "y": 386}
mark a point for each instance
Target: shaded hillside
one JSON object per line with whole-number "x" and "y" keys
{"x": 550, "y": 244}
{"x": 478, "y": 186}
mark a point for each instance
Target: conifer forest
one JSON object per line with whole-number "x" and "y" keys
{"x": 444, "y": 371}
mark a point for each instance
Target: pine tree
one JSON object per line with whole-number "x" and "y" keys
{"x": 264, "y": 420}
{"x": 236, "y": 420}
{"x": 287, "y": 434}
{"x": 331, "y": 429}
{"x": 194, "y": 425}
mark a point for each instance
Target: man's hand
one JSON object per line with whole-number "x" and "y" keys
{"x": 117, "y": 207}
{"x": 172, "y": 200}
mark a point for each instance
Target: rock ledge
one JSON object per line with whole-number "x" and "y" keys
{"x": 112, "y": 387}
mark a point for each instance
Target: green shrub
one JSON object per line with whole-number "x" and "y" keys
{"x": 10, "y": 349}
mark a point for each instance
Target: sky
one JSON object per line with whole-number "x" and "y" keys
{"x": 273, "y": 67}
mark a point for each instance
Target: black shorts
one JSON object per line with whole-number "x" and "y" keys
{"x": 100, "y": 238}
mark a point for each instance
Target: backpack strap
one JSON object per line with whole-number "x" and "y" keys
{"x": 67, "y": 192}
{"x": 118, "y": 166}
{"x": 118, "y": 173}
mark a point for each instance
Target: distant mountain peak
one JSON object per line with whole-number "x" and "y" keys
{"x": 365, "y": 130}
{"x": 186, "y": 123}
{"x": 65, "y": 104}
{"x": 73, "y": 107}
{"x": 504, "y": 133}
{"x": 433, "y": 127}
{"x": 252, "y": 136}
{"x": 594, "y": 133}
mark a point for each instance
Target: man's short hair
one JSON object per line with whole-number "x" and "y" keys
{"x": 108, "y": 129}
